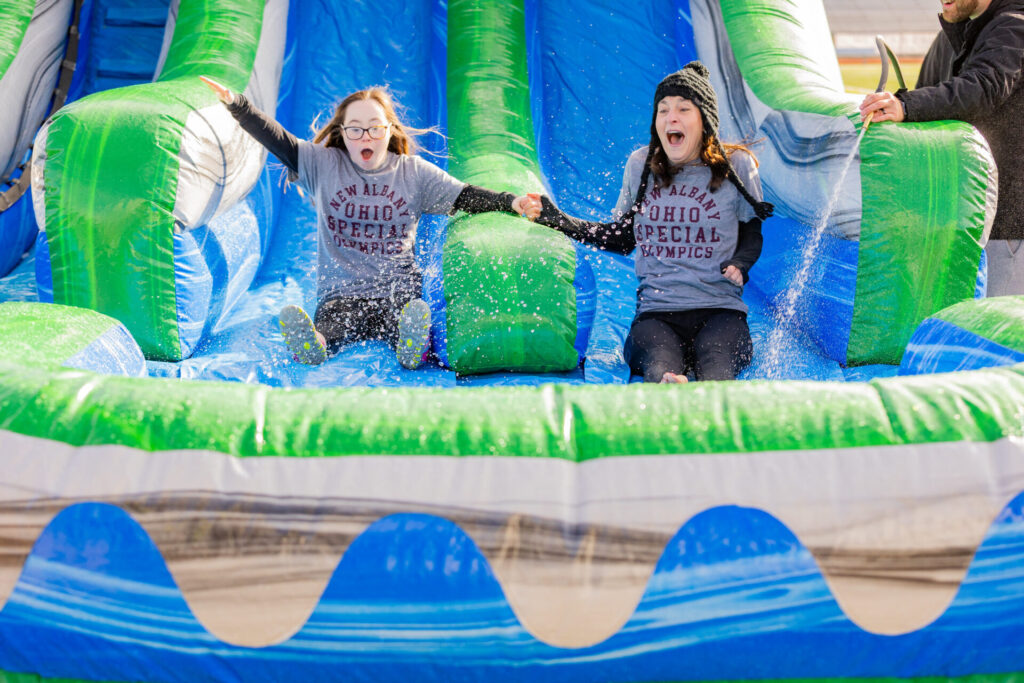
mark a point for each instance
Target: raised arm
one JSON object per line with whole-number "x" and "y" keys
{"x": 267, "y": 131}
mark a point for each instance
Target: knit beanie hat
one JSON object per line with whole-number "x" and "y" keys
{"x": 693, "y": 82}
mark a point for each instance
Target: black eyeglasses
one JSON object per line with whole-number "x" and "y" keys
{"x": 356, "y": 132}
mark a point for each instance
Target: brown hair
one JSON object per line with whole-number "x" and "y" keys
{"x": 403, "y": 138}
{"x": 713, "y": 152}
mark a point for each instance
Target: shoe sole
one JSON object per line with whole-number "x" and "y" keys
{"x": 413, "y": 333}
{"x": 300, "y": 336}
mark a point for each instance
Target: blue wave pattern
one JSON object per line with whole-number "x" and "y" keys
{"x": 734, "y": 596}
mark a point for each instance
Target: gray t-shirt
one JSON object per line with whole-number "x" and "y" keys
{"x": 684, "y": 232}
{"x": 366, "y": 220}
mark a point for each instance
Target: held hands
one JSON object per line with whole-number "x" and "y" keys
{"x": 223, "y": 94}
{"x": 527, "y": 206}
{"x": 883, "y": 105}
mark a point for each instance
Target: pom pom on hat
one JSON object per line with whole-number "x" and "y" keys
{"x": 692, "y": 82}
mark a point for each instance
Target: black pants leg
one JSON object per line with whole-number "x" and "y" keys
{"x": 346, "y": 320}
{"x": 653, "y": 348}
{"x": 713, "y": 343}
{"x": 722, "y": 346}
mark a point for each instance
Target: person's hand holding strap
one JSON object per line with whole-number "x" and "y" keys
{"x": 884, "y": 105}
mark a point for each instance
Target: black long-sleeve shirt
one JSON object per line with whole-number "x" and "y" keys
{"x": 618, "y": 235}
{"x": 285, "y": 146}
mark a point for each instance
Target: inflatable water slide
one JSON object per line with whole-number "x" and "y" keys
{"x": 181, "y": 502}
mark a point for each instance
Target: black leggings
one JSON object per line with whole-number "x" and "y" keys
{"x": 345, "y": 320}
{"x": 713, "y": 343}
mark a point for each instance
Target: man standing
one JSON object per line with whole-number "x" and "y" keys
{"x": 974, "y": 72}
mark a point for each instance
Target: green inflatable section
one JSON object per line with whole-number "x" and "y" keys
{"x": 1000, "y": 319}
{"x": 112, "y": 171}
{"x": 575, "y": 423}
{"x": 508, "y": 283}
{"x": 47, "y": 335}
{"x": 15, "y": 16}
{"x": 918, "y": 250}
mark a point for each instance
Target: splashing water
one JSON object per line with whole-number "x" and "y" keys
{"x": 787, "y": 310}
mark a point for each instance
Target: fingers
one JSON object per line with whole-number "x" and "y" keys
{"x": 733, "y": 274}
{"x": 881, "y": 106}
{"x": 528, "y": 206}
{"x": 223, "y": 94}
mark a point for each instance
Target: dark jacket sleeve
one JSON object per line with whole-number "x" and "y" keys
{"x": 615, "y": 236}
{"x": 748, "y": 247}
{"x": 267, "y": 132}
{"x": 986, "y": 79}
{"x": 475, "y": 199}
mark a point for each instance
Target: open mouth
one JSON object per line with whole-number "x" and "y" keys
{"x": 367, "y": 154}
{"x": 675, "y": 137}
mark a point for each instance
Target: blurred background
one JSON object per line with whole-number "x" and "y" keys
{"x": 908, "y": 26}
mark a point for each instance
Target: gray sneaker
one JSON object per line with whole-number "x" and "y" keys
{"x": 300, "y": 335}
{"x": 413, "y": 334}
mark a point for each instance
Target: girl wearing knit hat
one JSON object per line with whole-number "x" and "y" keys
{"x": 696, "y": 237}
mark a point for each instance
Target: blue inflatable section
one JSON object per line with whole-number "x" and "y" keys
{"x": 215, "y": 264}
{"x": 730, "y": 580}
{"x": 18, "y": 230}
{"x": 940, "y": 346}
{"x": 42, "y": 270}
{"x": 119, "y": 44}
{"x": 824, "y": 308}
{"x": 586, "y": 301}
{"x": 112, "y": 353}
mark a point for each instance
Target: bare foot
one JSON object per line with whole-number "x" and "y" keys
{"x": 323, "y": 340}
{"x": 673, "y": 378}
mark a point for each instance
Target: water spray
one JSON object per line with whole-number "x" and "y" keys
{"x": 787, "y": 305}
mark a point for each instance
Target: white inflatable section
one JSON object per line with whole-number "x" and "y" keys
{"x": 28, "y": 84}
{"x": 219, "y": 163}
{"x": 802, "y": 154}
